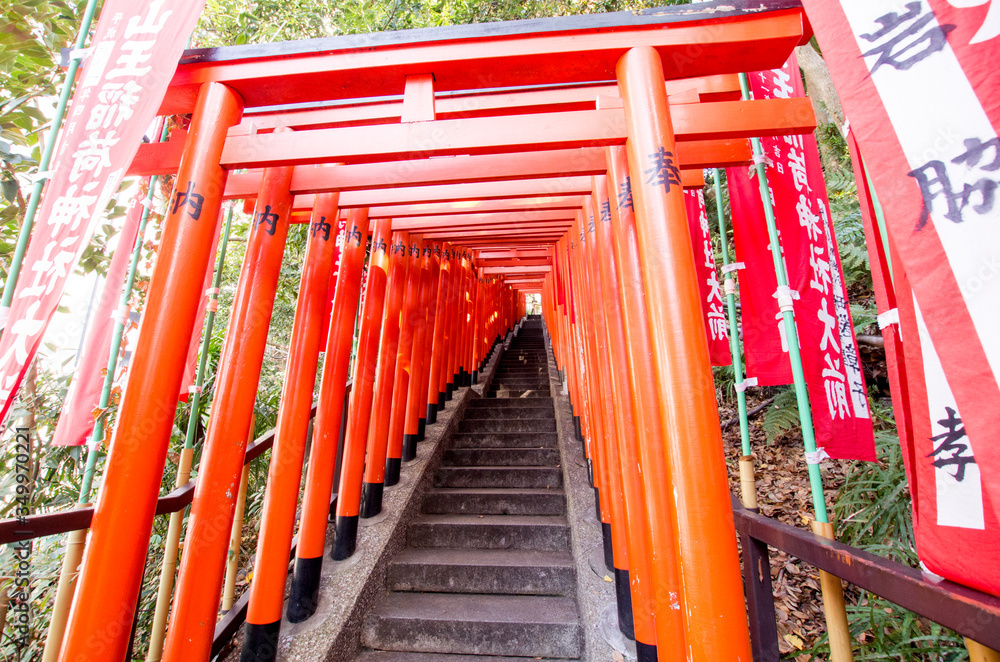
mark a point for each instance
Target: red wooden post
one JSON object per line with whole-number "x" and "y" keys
{"x": 706, "y": 535}
{"x": 435, "y": 394}
{"x": 362, "y": 394}
{"x": 411, "y": 317}
{"x": 267, "y": 591}
{"x": 329, "y": 416}
{"x": 100, "y": 620}
{"x": 206, "y": 544}
{"x": 611, "y": 442}
{"x": 385, "y": 383}
{"x": 667, "y": 592}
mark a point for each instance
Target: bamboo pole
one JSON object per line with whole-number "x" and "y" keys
{"x": 172, "y": 543}
{"x": 748, "y": 482}
{"x": 833, "y": 592}
{"x": 235, "y": 540}
{"x": 980, "y": 653}
{"x": 43, "y": 164}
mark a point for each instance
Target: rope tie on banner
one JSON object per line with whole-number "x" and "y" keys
{"x": 846, "y": 129}
{"x": 121, "y": 314}
{"x": 888, "y": 318}
{"x": 786, "y": 297}
{"x": 41, "y": 175}
{"x": 816, "y": 456}
{"x": 147, "y": 203}
{"x": 742, "y": 386}
{"x": 759, "y": 159}
{"x": 194, "y": 389}
{"x": 735, "y": 266}
{"x": 4, "y": 314}
{"x": 729, "y": 287}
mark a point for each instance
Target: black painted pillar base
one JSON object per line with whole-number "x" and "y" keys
{"x": 623, "y": 595}
{"x": 449, "y": 389}
{"x": 609, "y": 555}
{"x": 475, "y": 378}
{"x": 590, "y": 472}
{"x": 442, "y": 398}
{"x": 346, "y": 537}
{"x": 645, "y": 652}
{"x": 371, "y": 499}
{"x": 410, "y": 447}
{"x": 421, "y": 429}
{"x": 578, "y": 429}
{"x": 260, "y": 642}
{"x": 597, "y": 501}
{"x": 432, "y": 413}
{"x": 304, "y": 595}
{"x": 392, "y": 466}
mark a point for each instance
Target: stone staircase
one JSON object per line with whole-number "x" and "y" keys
{"x": 487, "y": 570}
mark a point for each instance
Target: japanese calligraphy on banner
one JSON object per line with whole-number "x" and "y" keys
{"x": 918, "y": 82}
{"x": 76, "y": 421}
{"x": 957, "y": 529}
{"x": 127, "y": 69}
{"x": 829, "y": 349}
{"x": 708, "y": 281}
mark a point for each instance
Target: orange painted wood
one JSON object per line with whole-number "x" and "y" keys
{"x": 544, "y": 131}
{"x": 203, "y": 564}
{"x": 498, "y": 57}
{"x": 710, "y": 567}
{"x": 267, "y": 591}
{"x": 111, "y": 572}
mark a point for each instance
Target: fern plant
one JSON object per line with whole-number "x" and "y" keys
{"x": 782, "y": 416}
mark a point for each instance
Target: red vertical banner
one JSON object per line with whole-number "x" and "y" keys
{"x": 76, "y": 420}
{"x": 716, "y": 326}
{"x": 918, "y": 84}
{"x": 126, "y": 71}
{"x": 830, "y": 358}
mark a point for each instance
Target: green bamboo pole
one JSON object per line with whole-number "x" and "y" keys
{"x": 734, "y": 341}
{"x": 880, "y": 219}
{"x": 97, "y": 438}
{"x": 831, "y": 587}
{"x": 43, "y": 165}
{"x": 748, "y": 478}
{"x": 192, "y": 427}
{"x": 788, "y": 319}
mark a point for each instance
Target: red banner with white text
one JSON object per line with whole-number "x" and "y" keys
{"x": 76, "y": 421}
{"x": 126, "y": 70}
{"x": 712, "y": 306}
{"x": 830, "y": 357}
{"x": 918, "y": 85}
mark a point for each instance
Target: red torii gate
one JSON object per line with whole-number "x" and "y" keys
{"x": 500, "y": 141}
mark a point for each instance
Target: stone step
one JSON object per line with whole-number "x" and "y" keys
{"x": 515, "y": 625}
{"x": 499, "y": 476}
{"x": 505, "y": 440}
{"x": 502, "y": 457}
{"x": 519, "y": 384}
{"x": 508, "y": 425}
{"x": 496, "y": 571}
{"x": 480, "y": 413}
{"x": 401, "y": 656}
{"x": 504, "y": 392}
{"x": 483, "y": 403}
{"x": 546, "y": 533}
{"x": 494, "y": 501}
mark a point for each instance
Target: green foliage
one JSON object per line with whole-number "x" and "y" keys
{"x": 782, "y": 416}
